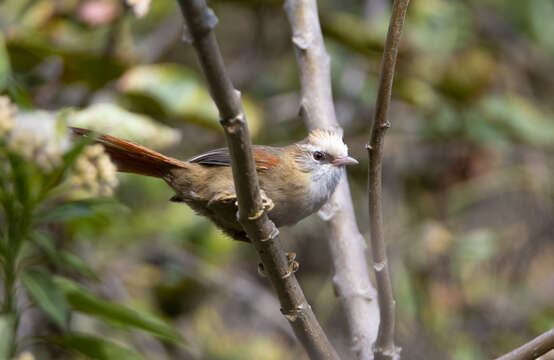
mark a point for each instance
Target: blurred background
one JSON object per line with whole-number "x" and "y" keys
{"x": 468, "y": 168}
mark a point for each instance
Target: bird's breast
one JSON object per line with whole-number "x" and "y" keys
{"x": 293, "y": 198}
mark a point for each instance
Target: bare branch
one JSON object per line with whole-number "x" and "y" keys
{"x": 261, "y": 231}
{"x": 384, "y": 347}
{"x": 533, "y": 349}
{"x": 347, "y": 245}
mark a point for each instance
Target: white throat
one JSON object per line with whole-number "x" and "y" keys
{"x": 324, "y": 182}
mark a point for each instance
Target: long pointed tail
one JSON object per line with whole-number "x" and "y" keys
{"x": 132, "y": 158}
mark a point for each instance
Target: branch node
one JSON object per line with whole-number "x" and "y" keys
{"x": 367, "y": 294}
{"x": 272, "y": 236}
{"x": 328, "y": 210}
{"x": 205, "y": 24}
{"x": 293, "y": 265}
{"x": 187, "y": 37}
{"x": 379, "y": 266}
{"x": 303, "y": 112}
{"x": 357, "y": 344}
{"x": 293, "y": 314}
{"x": 392, "y": 353}
{"x": 302, "y": 41}
{"x": 233, "y": 124}
{"x": 386, "y": 125}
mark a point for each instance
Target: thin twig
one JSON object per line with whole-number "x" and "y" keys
{"x": 384, "y": 346}
{"x": 533, "y": 349}
{"x": 351, "y": 280}
{"x": 260, "y": 230}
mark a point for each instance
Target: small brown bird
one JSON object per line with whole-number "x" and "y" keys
{"x": 296, "y": 180}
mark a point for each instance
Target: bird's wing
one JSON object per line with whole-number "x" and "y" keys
{"x": 217, "y": 157}
{"x": 265, "y": 157}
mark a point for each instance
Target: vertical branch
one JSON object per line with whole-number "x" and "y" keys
{"x": 384, "y": 346}
{"x": 351, "y": 280}
{"x": 252, "y": 216}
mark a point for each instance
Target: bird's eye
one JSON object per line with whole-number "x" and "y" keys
{"x": 318, "y": 155}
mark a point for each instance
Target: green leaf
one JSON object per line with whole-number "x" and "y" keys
{"x": 107, "y": 117}
{"x": 5, "y": 69}
{"x": 367, "y": 39}
{"x": 178, "y": 93}
{"x": 61, "y": 258}
{"x": 517, "y": 119}
{"x": 68, "y": 212}
{"x": 47, "y": 296}
{"x": 6, "y": 335}
{"x": 29, "y": 48}
{"x": 86, "y": 302}
{"x": 21, "y": 178}
{"x": 96, "y": 348}
{"x": 70, "y": 261}
{"x": 79, "y": 210}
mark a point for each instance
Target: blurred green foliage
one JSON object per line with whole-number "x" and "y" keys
{"x": 40, "y": 189}
{"x": 467, "y": 174}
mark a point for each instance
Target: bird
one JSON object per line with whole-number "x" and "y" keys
{"x": 295, "y": 180}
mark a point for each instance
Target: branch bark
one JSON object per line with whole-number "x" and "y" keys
{"x": 384, "y": 346}
{"x": 351, "y": 280}
{"x": 533, "y": 349}
{"x": 252, "y": 216}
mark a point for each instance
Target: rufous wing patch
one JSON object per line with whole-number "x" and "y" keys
{"x": 265, "y": 160}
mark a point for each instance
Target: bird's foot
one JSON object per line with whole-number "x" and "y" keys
{"x": 293, "y": 266}
{"x": 223, "y": 196}
{"x": 267, "y": 205}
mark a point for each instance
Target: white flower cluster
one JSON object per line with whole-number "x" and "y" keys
{"x": 7, "y": 112}
{"x": 94, "y": 173}
{"x": 36, "y": 137}
{"x": 42, "y": 138}
{"x": 140, "y": 7}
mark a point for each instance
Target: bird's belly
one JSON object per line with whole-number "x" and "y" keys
{"x": 290, "y": 212}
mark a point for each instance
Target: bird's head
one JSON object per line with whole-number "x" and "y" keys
{"x": 323, "y": 155}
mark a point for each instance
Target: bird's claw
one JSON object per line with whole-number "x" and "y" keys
{"x": 267, "y": 205}
{"x": 223, "y": 196}
{"x": 293, "y": 266}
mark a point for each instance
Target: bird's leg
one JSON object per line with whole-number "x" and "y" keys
{"x": 292, "y": 268}
{"x": 223, "y": 196}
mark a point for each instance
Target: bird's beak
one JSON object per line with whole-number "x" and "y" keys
{"x": 344, "y": 160}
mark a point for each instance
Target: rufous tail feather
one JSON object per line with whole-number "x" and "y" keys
{"x": 130, "y": 157}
